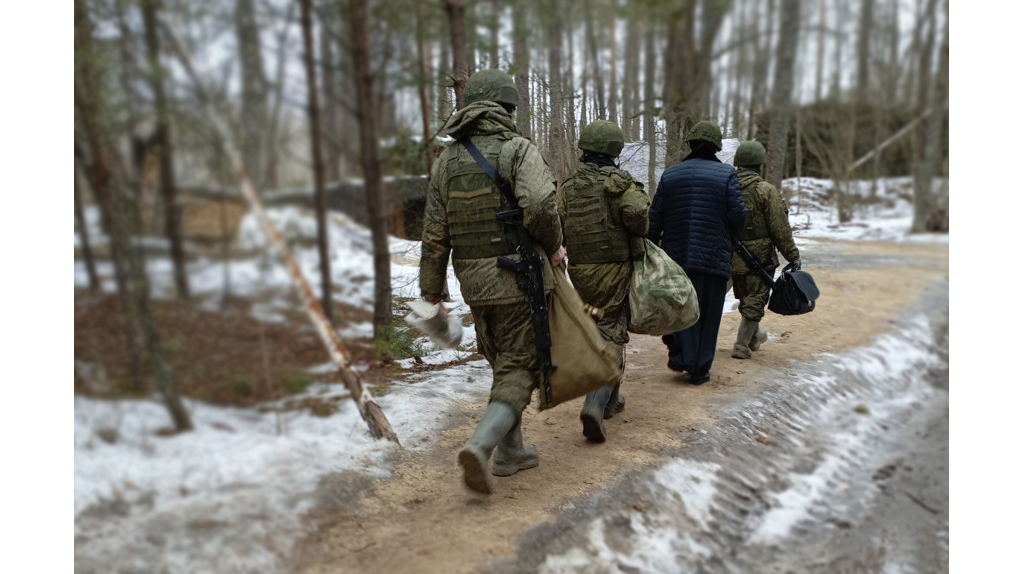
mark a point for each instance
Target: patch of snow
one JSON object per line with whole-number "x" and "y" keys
{"x": 693, "y": 484}
{"x": 252, "y": 473}
{"x": 885, "y": 216}
{"x": 893, "y": 361}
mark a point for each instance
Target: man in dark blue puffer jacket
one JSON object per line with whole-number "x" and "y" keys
{"x": 697, "y": 212}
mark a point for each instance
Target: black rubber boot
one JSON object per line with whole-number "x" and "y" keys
{"x": 511, "y": 456}
{"x": 498, "y": 420}
{"x": 616, "y": 403}
{"x": 592, "y": 415}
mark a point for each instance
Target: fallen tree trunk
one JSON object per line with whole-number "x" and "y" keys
{"x": 368, "y": 407}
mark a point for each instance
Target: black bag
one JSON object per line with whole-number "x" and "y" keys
{"x": 793, "y": 293}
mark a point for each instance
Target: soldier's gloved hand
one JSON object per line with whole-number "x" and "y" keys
{"x": 795, "y": 264}
{"x": 557, "y": 257}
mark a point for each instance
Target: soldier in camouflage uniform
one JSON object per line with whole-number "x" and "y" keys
{"x": 460, "y": 221}
{"x": 767, "y": 229}
{"x": 604, "y": 216}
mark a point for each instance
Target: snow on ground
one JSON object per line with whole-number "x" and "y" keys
{"x": 243, "y": 473}
{"x": 885, "y": 217}
{"x": 247, "y": 475}
{"x": 812, "y": 210}
{"x": 673, "y": 535}
{"x": 255, "y": 270}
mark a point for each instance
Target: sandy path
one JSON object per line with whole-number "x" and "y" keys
{"x": 425, "y": 521}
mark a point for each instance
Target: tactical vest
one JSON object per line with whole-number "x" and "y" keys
{"x": 593, "y": 233}
{"x": 757, "y": 224}
{"x": 473, "y": 205}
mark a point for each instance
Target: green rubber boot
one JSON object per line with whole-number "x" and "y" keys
{"x": 741, "y": 349}
{"x": 511, "y": 456}
{"x": 592, "y": 415}
{"x": 498, "y": 420}
{"x": 759, "y": 338}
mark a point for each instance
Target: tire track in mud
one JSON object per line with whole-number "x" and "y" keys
{"x": 790, "y": 479}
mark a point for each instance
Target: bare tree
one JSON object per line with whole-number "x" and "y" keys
{"x": 688, "y": 69}
{"x": 521, "y": 64}
{"x": 376, "y": 194}
{"x": 598, "y": 75}
{"x": 172, "y": 219}
{"x": 132, "y": 282}
{"x": 89, "y": 112}
{"x": 864, "y": 31}
{"x": 925, "y": 173}
{"x": 556, "y": 138}
{"x": 820, "y": 61}
{"x": 254, "y": 89}
{"x": 421, "y": 81}
{"x": 613, "y": 93}
{"x": 492, "y": 27}
{"x": 650, "y": 62}
{"x": 782, "y": 91}
{"x": 444, "y": 78}
{"x": 759, "y": 83}
{"x": 83, "y": 232}
{"x": 315, "y": 138}
{"x": 328, "y": 87}
{"x": 631, "y": 86}
{"x": 460, "y": 64}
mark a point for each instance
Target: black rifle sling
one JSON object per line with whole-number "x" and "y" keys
{"x": 757, "y": 266}
{"x": 510, "y": 197}
{"x": 502, "y": 183}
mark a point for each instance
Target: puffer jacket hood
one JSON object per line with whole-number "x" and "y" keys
{"x": 481, "y": 118}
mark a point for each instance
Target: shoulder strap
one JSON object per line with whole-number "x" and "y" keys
{"x": 503, "y": 185}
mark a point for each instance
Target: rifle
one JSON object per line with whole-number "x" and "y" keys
{"x": 755, "y": 264}
{"x": 529, "y": 269}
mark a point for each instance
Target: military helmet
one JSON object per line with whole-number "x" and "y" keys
{"x": 603, "y": 137}
{"x": 491, "y": 85}
{"x": 705, "y": 131}
{"x": 750, "y": 153}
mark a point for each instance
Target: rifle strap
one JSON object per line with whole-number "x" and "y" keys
{"x": 502, "y": 183}
{"x": 757, "y": 266}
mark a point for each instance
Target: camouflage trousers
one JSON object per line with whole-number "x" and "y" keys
{"x": 613, "y": 329}
{"x": 504, "y": 335}
{"x": 753, "y": 293}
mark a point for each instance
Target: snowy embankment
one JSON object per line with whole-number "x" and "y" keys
{"x": 248, "y": 474}
{"x": 885, "y": 215}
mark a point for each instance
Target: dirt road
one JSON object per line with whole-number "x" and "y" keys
{"x": 686, "y": 482}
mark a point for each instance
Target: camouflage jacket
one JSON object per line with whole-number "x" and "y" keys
{"x": 517, "y": 160}
{"x": 620, "y": 222}
{"x": 767, "y": 226}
